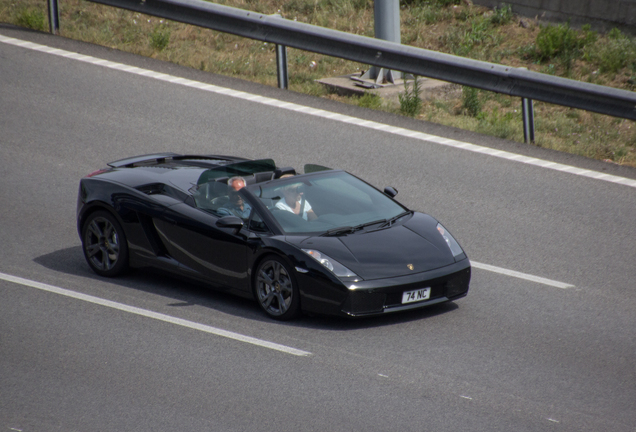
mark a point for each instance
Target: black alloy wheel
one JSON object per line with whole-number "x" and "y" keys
{"x": 104, "y": 244}
{"x": 276, "y": 290}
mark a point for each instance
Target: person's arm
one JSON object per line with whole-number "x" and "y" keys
{"x": 311, "y": 215}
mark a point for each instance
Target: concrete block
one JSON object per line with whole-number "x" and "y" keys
{"x": 575, "y": 7}
{"x": 606, "y": 10}
{"x": 599, "y": 13}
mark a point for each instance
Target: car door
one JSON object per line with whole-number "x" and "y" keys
{"x": 218, "y": 255}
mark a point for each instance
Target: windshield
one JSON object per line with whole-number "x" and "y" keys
{"x": 326, "y": 202}
{"x": 244, "y": 168}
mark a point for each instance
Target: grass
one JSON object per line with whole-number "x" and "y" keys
{"x": 370, "y": 100}
{"x": 31, "y": 18}
{"x": 450, "y": 26}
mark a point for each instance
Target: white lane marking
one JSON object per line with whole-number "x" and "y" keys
{"x": 326, "y": 114}
{"x": 520, "y": 275}
{"x": 153, "y": 315}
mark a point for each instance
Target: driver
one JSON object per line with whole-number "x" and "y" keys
{"x": 236, "y": 206}
{"x": 293, "y": 201}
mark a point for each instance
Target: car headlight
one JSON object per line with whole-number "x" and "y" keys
{"x": 333, "y": 265}
{"x": 450, "y": 241}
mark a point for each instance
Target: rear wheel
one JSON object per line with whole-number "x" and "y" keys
{"x": 276, "y": 290}
{"x": 104, "y": 244}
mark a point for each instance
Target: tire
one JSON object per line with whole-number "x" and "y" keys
{"x": 104, "y": 244}
{"x": 276, "y": 289}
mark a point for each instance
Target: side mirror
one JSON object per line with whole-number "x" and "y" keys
{"x": 390, "y": 191}
{"x": 230, "y": 222}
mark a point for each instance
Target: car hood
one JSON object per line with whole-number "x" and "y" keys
{"x": 413, "y": 247}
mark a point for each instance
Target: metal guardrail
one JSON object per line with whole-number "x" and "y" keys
{"x": 518, "y": 82}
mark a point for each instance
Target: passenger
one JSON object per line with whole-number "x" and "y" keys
{"x": 236, "y": 206}
{"x": 293, "y": 200}
{"x": 237, "y": 183}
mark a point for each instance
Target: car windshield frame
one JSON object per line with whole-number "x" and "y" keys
{"x": 343, "y": 204}
{"x": 240, "y": 168}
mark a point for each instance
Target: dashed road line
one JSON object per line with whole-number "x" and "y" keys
{"x": 154, "y": 315}
{"x": 519, "y": 275}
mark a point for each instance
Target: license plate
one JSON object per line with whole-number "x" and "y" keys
{"x": 416, "y": 295}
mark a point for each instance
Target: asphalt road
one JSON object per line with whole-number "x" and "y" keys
{"x": 144, "y": 352}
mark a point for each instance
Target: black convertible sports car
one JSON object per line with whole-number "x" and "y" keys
{"x": 322, "y": 242}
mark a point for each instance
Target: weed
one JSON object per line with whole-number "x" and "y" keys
{"x": 160, "y": 38}
{"x": 555, "y": 40}
{"x": 562, "y": 42}
{"x": 309, "y": 87}
{"x": 550, "y": 69}
{"x": 615, "y": 34}
{"x": 527, "y": 52}
{"x": 614, "y": 54}
{"x": 502, "y": 125}
{"x": 501, "y": 16}
{"x": 480, "y": 32}
{"x": 370, "y": 100}
{"x": 441, "y": 105}
{"x": 410, "y": 101}
{"x": 31, "y": 18}
{"x": 462, "y": 40}
{"x": 464, "y": 15}
{"x": 428, "y": 14}
{"x": 470, "y": 101}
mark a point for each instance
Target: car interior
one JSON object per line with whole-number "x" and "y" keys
{"x": 214, "y": 193}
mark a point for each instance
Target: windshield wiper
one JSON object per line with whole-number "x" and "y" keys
{"x": 395, "y": 218}
{"x": 364, "y": 225}
{"x": 349, "y": 229}
{"x": 337, "y": 231}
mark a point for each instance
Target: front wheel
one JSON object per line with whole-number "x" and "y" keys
{"x": 104, "y": 244}
{"x": 276, "y": 290}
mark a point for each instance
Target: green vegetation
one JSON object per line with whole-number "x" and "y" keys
{"x": 370, "y": 100}
{"x": 501, "y": 16}
{"x": 470, "y": 101}
{"x": 616, "y": 53}
{"x": 410, "y": 100}
{"x": 159, "y": 38}
{"x": 450, "y": 26}
{"x": 563, "y": 43}
{"x": 32, "y": 18}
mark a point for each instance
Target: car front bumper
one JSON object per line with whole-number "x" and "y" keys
{"x": 382, "y": 296}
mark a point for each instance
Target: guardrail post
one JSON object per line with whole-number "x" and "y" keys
{"x": 281, "y": 62}
{"x": 54, "y": 17}
{"x": 386, "y": 16}
{"x": 527, "y": 111}
{"x": 281, "y": 66}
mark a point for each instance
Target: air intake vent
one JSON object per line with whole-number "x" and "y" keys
{"x": 152, "y": 189}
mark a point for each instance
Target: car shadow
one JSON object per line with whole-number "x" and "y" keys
{"x": 183, "y": 292}
{"x": 397, "y": 318}
{"x": 186, "y": 292}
